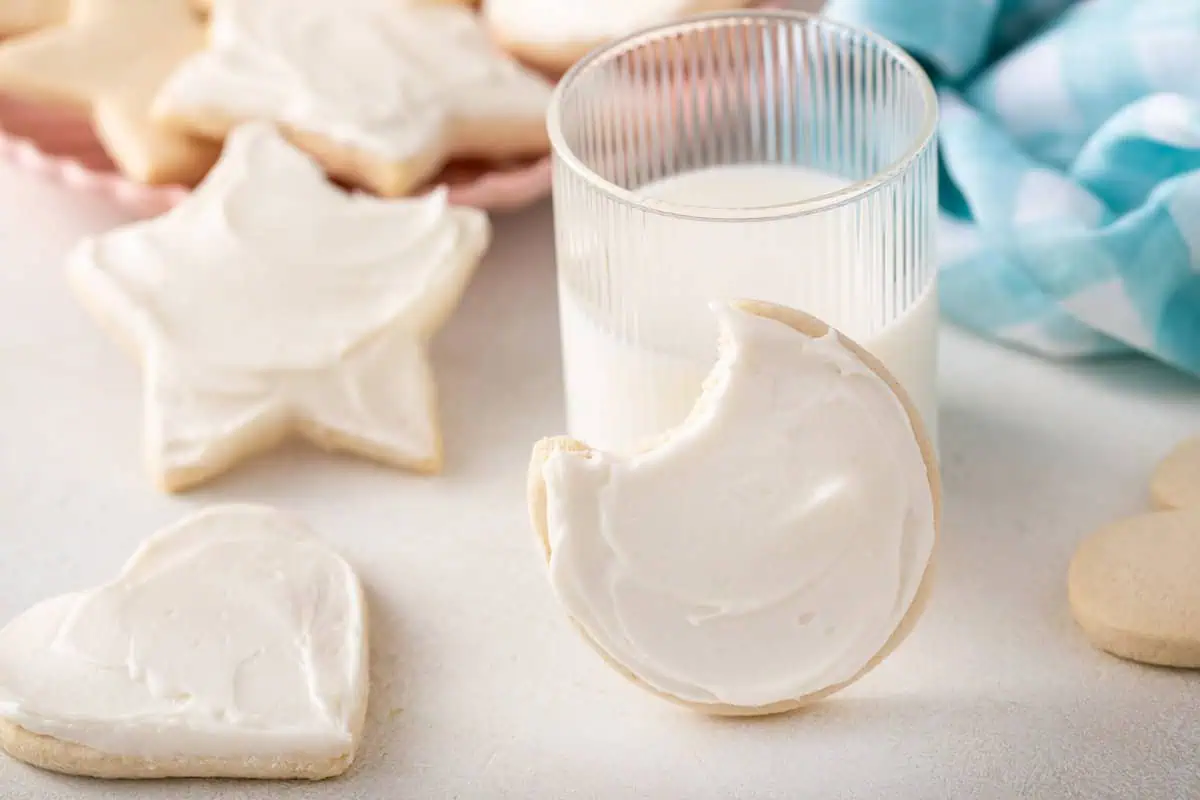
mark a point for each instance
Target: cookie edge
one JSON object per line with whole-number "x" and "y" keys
{"x": 1116, "y": 640}
{"x": 538, "y": 498}
{"x": 70, "y": 758}
{"x": 1168, "y": 482}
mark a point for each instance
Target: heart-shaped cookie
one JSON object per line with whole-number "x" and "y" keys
{"x": 233, "y": 644}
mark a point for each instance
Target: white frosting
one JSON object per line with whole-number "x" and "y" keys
{"x": 586, "y": 22}
{"x": 770, "y": 546}
{"x": 234, "y": 633}
{"x": 222, "y": 295}
{"x": 378, "y": 75}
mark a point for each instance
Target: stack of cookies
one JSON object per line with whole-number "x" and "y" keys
{"x": 384, "y": 94}
{"x": 269, "y": 304}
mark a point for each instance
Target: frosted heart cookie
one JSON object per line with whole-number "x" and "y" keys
{"x": 382, "y": 93}
{"x": 23, "y": 16}
{"x": 232, "y": 644}
{"x": 554, "y": 35}
{"x": 1176, "y": 482}
{"x": 770, "y": 550}
{"x": 110, "y": 59}
{"x": 1134, "y": 588}
{"x": 271, "y": 303}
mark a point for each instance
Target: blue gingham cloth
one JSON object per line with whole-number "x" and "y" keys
{"x": 1070, "y": 174}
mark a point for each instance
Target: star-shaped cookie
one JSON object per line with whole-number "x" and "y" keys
{"x": 381, "y": 92}
{"x": 110, "y": 59}
{"x": 271, "y": 303}
{"x": 23, "y": 16}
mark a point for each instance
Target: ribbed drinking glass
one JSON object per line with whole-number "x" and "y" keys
{"x": 771, "y": 155}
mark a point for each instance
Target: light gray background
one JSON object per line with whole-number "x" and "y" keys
{"x": 480, "y": 688}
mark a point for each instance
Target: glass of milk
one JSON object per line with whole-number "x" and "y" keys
{"x": 771, "y": 155}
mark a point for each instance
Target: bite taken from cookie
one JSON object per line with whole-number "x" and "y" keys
{"x": 769, "y": 551}
{"x": 554, "y": 34}
{"x": 270, "y": 303}
{"x": 232, "y": 644}
{"x": 382, "y": 93}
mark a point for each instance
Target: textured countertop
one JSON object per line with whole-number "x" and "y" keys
{"x": 480, "y": 689}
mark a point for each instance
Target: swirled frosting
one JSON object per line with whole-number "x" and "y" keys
{"x": 768, "y": 548}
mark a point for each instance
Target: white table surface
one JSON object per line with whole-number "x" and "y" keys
{"x": 479, "y": 687}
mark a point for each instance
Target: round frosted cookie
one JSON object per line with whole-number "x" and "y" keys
{"x": 1134, "y": 588}
{"x": 382, "y": 93}
{"x": 773, "y": 548}
{"x": 553, "y": 35}
{"x": 232, "y": 644}
{"x": 1176, "y": 481}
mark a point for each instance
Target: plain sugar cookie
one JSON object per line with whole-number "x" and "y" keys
{"x": 1176, "y": 481}
{"x": 773, "y": 548}
{"x": 23, "y": 16}
{"x": 1134, "y": 588}
{"x": 205, "y": 6}
{"x": 232, "y": 644}
{"x": 271, "y": 304}
{"x": 110, "y": 60}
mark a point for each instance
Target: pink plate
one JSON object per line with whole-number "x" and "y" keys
{"x": 61, "y": 146}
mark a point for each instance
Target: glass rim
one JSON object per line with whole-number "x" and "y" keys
{"x": 823, "y": 202}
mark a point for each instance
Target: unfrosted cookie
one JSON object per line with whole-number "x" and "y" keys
{"x": 769, "y": 551}
{"x": 1176, "y": 482}
{"x": 553, "y": 34}
{"x": 232, "y": 644}
{"x": 23, "y": 16}
{"x": 1134, "y": 588}
{"x": 110, "y": 60}
{"x": 382, "y": 93}
{"x": 271, "y": 303}
{"x": 206, "y": 5}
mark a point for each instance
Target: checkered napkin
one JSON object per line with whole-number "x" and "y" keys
{"x": 1070, "y": 175}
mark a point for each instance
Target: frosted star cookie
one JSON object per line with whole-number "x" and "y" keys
{"x": 553, "y": 35}
{"x": 1133, "y": 588}
{"x": 1176, "y": 482}
{"x": 769, "y": 551}
{"x": 271, "y": 303}
{"x": 110, "y": 60}
{"x": 380, "y": 92}
{"x": 23, "y": 16}
{"x": 232, "y": 644}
